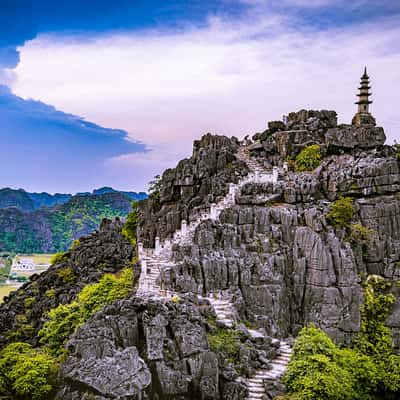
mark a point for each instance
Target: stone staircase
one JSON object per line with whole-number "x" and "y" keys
{"x": 256, "y": 384}
{"x": 224, "y": 310}
{"x": 154, "y": 260}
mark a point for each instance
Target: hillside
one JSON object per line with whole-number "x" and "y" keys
{"x": 269, "y": 269}
{"x": 54, "y": 229}
{"x": 27, "y": 201}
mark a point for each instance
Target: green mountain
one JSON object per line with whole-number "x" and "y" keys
{"x": 26, "y": 201}
{"x": 24, "y": 229}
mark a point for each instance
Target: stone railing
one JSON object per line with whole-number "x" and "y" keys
{"x": 162, "y": 251}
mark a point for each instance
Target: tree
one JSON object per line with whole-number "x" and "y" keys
{"x": 129, "y": 230}
{"x": 341, "y": 212}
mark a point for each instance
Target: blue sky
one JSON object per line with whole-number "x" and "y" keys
{"x": 151, "y": 76}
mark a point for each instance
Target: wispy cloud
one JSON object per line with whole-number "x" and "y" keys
{"x": 230, "y": 76}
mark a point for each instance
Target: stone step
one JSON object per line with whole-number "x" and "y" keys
{"x": 255, "y": 396}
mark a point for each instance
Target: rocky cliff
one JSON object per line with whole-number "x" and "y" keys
{"x": 23, "y": 312}
{"x": 264, "y": 253}
{"x": 274, "y": 250}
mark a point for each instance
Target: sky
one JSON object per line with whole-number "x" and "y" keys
{"x": 111, "y": 93}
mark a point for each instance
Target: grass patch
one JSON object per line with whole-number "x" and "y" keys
{"x": 225, "y": 341}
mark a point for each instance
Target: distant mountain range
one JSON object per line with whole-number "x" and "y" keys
{"x": 45, "y": 223}
{"x": 26, "y": 201}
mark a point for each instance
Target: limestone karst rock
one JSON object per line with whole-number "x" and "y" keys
{"x": 267, "y": 263}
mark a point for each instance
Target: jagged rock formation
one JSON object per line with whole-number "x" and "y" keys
{"x": 189, "y": 188}
{"x": 274, "y": 251}
{"x": 153, "y": 349}
{"x": 233, "y": 241}
{"x": 103, "y": 251}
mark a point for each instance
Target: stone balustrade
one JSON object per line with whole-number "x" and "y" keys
{"x": 163, "y": 249}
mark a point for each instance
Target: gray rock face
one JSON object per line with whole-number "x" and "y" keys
{"x": 285, "y": 141}
{"x": 192, "y": 185}
{"x": 274, "y": 251}
{"x": 351, "y": 137}
{"x": 139, "y": 349}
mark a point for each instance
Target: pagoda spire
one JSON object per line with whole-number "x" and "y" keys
{"x": 363, "y": 116}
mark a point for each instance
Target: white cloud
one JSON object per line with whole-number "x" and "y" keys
{"x": 229, "y": 77}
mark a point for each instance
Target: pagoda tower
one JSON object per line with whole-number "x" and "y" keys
{"x": 363, "y": 116}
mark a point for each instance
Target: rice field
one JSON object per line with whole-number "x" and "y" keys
{"x": 5, "y": 290}
{"x": 38, "y": 258}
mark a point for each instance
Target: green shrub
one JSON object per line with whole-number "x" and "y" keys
{"x": 317, "y": 377}
{"x": 58, "y": 257}
{"x": 362, "y": 234}
{"x": 396, "y": 147}
{"x": 341, "y": 212}
{"x": 176, "y": 299}
{"x": 50, "y": 293}
{"x": 66, "y": 318}
{"x": 75, "y": 244}
{"x": 26, "y": 373}
{"x": 308, "y": 159}
{"x": 225, "y": 341}
{"x": 67, "y": 275}
{"x": 319, "y": 369}
{"x": 129, "y": 230}
{"x": 29, "y": 301}
{"x": 375, "y": 338}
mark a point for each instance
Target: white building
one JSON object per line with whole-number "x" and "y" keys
{"x": 23, "y": 264}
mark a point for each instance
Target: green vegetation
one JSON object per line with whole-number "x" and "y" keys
{"x": 50, "y": 293}
{"x": 308, "y": 159}
{"x": 129, "y": 230}
{"x": 75, "y": 244}
{"x": 67, "y": 275}
{"x": 155, "y": 188}
{"x": 29, "y": 301}
{"x": 362, "y": 234}
{"x": 65, "y": 319}
{"x": 396, "y": 147}
{"x": 321, "y": 370}
{"x": 58, "y": 257}
{"x": 341, "y": 212}
{"x": 26, "y": 373}
{"x": 30, "y": 373}
{"x": 55, "y": 229}
{"x": 83, "y": 214}
{"x": 225, "y": 341}
{"x": 5, "y": 267}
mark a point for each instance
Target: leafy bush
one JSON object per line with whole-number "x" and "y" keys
{"x": 375, "y": 338}
{"x": 50, "y": 293}
{"x": 308, "y": 159}
{"x": 396, "y": 147}
{"x": 321, "y": 370}
{"x": 225, "y": 341}
{"x": 58, "y": 257}
{"x": 26, "y": 373}
{"x": 75, "y": 244}
{"x": 65, "y": 319}
{"x": 67, "y": 275}
{"x": 176, "y": 299}
{"x": 341, "y": 212}
{"x": 362, "y": 234}
{"x": 29, "y": 301}
{"x": 129, "y": 230}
